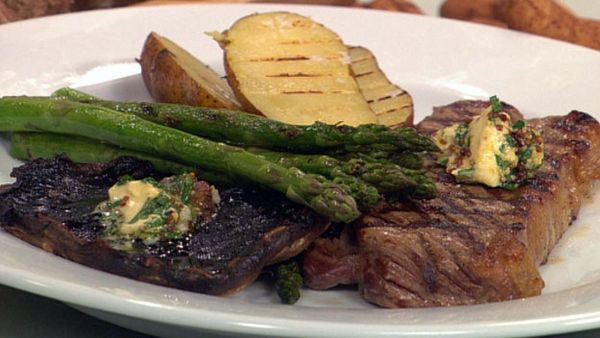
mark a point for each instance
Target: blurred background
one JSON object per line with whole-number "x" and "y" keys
{"x": 574, "y": 21}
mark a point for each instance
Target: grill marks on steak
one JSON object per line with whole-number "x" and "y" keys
{"x": 473, "y": 244}
{"x": 51, "y": 203}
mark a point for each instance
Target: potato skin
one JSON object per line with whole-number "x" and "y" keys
{"x": 169, "y": 81}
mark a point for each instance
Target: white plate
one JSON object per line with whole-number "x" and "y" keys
{"x": 437, "y": 60}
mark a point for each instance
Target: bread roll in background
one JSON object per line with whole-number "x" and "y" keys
{"x": 551, "y": 19}
{"x": 547, "y": 18}
{"x": 391, "y": 5}
{"x": 466, "y": 10}
{"x": 14, "y": 10}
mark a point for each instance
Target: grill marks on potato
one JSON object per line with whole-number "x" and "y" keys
{"x": 292, "y": 69}
{"x": 289, "y": 58}
{"x": 298, "y": 75}
{"x": 392, "y": 105}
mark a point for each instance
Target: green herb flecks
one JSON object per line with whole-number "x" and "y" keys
{"x": 496, "y": 104}
{"x": 519, "y": 124}
{"x": 510, "y": 140}
{"x": 510, "y": 185}
{"x": 502, "y": 163}
{"x": 461, "y": 136}
{"x": 181, "y": 185}
{"x": 466, "y": 173}
{"x": 155, "y": 206}
{"x": 524, "y": 155}
{"x": 186, "y": 184}
{"x": 151, "y": 181}
{"x": 124, "y": 179}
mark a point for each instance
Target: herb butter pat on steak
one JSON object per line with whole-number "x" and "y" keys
{"x": 491, "y": 150}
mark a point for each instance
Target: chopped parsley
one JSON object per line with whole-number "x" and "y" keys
{"x": 156, "y": 206}
{"x": 466, "y": 172}
{"x": 502, "y": 163}
{"x": 519, "y": 124}
{"x": 460, "y": 137}
{"x": 496, "y": 104}
{"x": 443, "y": 161}
{"x": 151, "y": 181}
{"x": 510, "y": 185}
{"x": 524, "y": 154}
{"x": 491, "y": 149}
{"x": 181, "y": 185}
{"x": 149, "y": 211}
{"x": 124, "y": 179}
{"x": 510, "y": 140}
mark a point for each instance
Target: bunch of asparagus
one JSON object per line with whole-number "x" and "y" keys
{"x": 335, "y": 170}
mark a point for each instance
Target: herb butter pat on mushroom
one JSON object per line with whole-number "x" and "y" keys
{"x": 491, "y": 150}
{"x": 151, "y": 211}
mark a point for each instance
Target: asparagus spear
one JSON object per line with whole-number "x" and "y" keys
{"x": 378, "y": 153}
{"x": 363, "y": 192}
{"x": 239, "y": 128}
{"x": 129, "y": 131}
{"x": 288, "y": 281}
{"x": 27, "y": 146}
{"x": 386, "y": 177}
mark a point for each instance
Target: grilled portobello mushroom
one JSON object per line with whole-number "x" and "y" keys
{"x": 54, "y": 205}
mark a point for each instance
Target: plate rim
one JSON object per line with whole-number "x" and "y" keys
{"x": 592, "y": 320}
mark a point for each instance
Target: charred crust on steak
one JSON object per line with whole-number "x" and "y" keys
{"x": 51, "y": 206}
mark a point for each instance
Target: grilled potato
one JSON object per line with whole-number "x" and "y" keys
{"x": 173, "y": 75}
{"x": 392, "y": 105}
{"x": 291, "y": 69}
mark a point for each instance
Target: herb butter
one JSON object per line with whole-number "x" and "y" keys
{"x": 148, "y": 210}
{"x": 491, "y": 150}
{"x": 129, "y": 199}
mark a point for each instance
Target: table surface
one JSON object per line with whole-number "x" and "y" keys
{"x": 27, "y": 315}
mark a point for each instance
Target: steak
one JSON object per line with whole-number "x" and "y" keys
{"x": 471, "y": 244}
{"x": 332, "y": 261}
{"x": 51, "y": 205}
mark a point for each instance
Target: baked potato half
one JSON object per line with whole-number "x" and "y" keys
{"x": 173, "y": 75}
{"x": 392, "y": 105}
{"x": 290, "y": 68}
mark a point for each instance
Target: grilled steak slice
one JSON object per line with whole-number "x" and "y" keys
{"x": 332, "y": 261}
{"x": 473, "y": 244}
{"x": 51, "y": 206}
